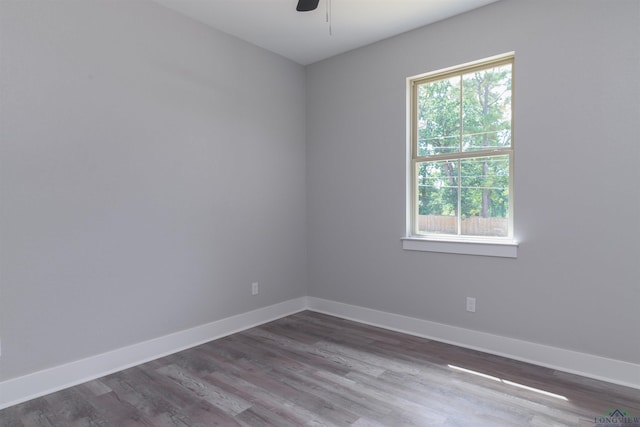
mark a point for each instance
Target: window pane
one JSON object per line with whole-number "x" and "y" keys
{"x": 485, "y": 196}
{"x": 486, "y": 99}
{"x": 437, "y": 187}
{"x": 438, "y": 111}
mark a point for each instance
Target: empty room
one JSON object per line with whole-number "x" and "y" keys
{"x": 319, "y": 213}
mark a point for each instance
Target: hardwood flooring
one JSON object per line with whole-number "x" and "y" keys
{"x": 311, "y": 369}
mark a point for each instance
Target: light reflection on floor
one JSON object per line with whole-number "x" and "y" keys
{"x": 511, "y": 383}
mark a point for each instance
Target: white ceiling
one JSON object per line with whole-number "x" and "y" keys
{"x": 304, "y": 36}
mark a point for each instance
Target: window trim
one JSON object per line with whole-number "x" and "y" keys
{"x": 459, "y": 244}
{"x": 504, "y": 249}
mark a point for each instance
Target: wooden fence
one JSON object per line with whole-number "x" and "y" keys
{"x": 473, "y": 226}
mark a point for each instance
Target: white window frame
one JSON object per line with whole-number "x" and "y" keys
{"x": 459, "y": 244}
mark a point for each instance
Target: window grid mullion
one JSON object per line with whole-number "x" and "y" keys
{"x": 465, "y": 155}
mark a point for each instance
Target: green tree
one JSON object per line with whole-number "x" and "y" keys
{"x": 465, "y": 114}
{"x": 486, "y": 124}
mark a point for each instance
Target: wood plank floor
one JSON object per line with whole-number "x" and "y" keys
{"x": 311, "y": 369}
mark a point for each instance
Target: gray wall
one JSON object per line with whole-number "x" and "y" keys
{"x": 151, "y": 169}
{"x": 576, "y": 281}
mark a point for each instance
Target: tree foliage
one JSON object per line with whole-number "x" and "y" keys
{"x": 464, "y": 114}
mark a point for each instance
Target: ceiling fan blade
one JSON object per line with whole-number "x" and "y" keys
{"x": 307, "y": 5}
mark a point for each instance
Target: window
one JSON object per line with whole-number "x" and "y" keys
{"x": 461, "y": 155}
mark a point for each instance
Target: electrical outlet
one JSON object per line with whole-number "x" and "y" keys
{"x": 254, "y": 288}
{"x": 471, "y": 304}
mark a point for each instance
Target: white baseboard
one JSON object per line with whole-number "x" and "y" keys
{"x": 587, "y": 365}
{"x": 27, "y": 387}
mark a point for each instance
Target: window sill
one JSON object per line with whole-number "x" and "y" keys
{"x": 505, "y": 249}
